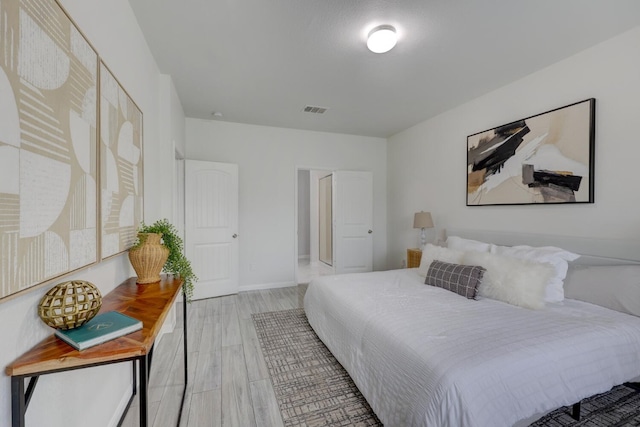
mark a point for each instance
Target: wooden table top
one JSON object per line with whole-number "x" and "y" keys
{"x": 149, "y": 303}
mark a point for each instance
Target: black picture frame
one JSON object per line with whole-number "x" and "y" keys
{"x": 547, "y": 158}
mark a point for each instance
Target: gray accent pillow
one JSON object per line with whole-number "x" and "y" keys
{"x": 461, "y": 279}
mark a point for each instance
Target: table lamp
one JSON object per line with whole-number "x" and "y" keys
{"x": 422, "y": 220}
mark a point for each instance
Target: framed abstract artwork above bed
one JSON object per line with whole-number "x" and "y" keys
{"x": 543, "y": 159}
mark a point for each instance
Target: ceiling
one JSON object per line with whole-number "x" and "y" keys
{"x": 263, "y": 61}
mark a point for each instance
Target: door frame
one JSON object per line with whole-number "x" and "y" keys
{"x": 178, "y": 200}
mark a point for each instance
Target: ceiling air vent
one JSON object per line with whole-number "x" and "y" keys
{"x": 314, "y": 109}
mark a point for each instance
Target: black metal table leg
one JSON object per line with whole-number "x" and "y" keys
{"x": 184, "y": 326}
{"x": 20, "y": 398}
{"x": 18, "y": 407}
{"x": 186, "y": 356}
{"x": 144, "y": 387}
{"x": 135, "y": 377}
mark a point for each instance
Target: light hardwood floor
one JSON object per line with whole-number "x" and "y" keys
{"x": 229, "y": 383}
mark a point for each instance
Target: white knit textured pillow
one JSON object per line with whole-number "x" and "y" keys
{"x": 514, "y": 281}
{"x": 557, "y": 257}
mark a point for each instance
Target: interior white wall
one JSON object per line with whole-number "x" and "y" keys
{"x": 304, "y": 219}
{"x": 427, "y": 163}
{"x": 171, "y": 139}
{"x": 268, "y": 158}
{"x": 97, "y": 394}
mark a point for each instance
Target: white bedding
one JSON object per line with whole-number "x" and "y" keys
{"x": 424, "y": 356}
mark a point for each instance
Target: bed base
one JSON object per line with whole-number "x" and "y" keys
{"x": 575, "y": 410}
{"x": 635, "y": 386}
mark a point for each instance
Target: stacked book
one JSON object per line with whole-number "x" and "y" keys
{"x": 103, "y": 327}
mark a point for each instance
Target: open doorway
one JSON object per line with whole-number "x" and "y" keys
{"x": 315, "y": 254}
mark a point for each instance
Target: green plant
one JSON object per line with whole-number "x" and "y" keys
{"x": 177, "y": 263}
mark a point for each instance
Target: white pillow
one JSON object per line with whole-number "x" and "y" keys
{"x": 612, "y": 286}
{"x": 511, "y": 280}
{"x": 464, "y": 245}
{"x": 431, "y": 253}
{"x": 557, "y": 257}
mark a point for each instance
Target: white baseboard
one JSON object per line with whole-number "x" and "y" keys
{"x": 261, "y": 286}
{"x": 303, "y": 257}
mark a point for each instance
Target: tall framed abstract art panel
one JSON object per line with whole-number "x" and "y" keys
{"x": 120, "y": 166}
{"x": 48, "y": 145}
{"x": 543, "y": 159}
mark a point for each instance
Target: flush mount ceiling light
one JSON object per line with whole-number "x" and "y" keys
{"x": 382, "y": 39}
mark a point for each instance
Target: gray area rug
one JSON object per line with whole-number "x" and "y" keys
{"x": 314, "y": 390}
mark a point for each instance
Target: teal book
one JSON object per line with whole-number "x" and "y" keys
{"x": 104, "y": 327}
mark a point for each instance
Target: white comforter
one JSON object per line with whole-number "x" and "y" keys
{"x": 424, "y": 356}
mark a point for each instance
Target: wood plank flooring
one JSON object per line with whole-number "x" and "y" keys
{"x": 229, "y": 384}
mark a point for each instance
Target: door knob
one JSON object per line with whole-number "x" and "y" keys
{"x": 370, "y": 231}
{"x": 234, "y": 235}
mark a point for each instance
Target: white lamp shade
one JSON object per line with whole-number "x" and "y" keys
{"x": 382, "y": 39}
{"x": 422, "y": 220}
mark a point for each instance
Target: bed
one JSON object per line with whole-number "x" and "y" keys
{"x": 424, "y": 356}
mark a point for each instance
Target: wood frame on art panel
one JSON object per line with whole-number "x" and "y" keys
{"x": 543, "y": 159}
{"x": 48, "y": 146}
{"x": 121, "y": 166}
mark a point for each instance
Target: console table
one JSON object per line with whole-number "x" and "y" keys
{"x": 149, "y": 303}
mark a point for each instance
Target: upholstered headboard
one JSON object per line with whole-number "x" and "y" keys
{"x": 594, "y": 251}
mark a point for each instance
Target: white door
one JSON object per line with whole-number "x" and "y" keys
{"x": 211, "y": 226}
{"x": 353, "y": 221}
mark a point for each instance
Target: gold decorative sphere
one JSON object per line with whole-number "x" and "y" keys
{"x": 70, "y": 304}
